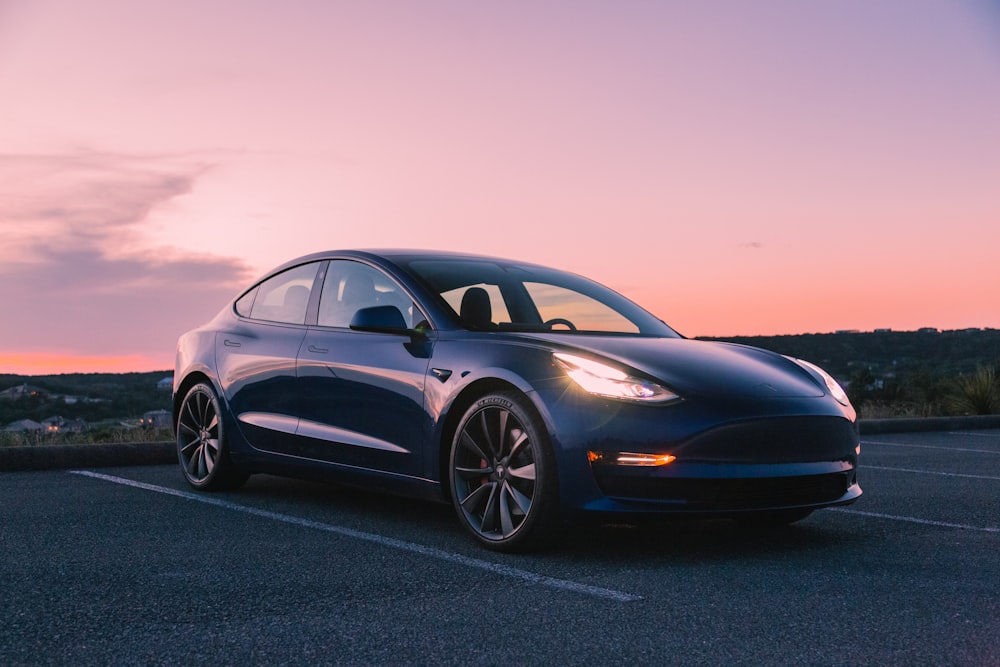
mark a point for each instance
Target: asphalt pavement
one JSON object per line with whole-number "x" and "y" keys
{"x": 127, "y": 565}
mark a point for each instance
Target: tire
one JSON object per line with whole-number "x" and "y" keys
{"x": 502, "y": 472}
{"x": 202, "y": 449}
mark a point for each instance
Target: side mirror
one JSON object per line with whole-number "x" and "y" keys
{"x": 380, "y": 319}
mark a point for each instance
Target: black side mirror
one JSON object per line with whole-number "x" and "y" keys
{"x": 380, "y": 319}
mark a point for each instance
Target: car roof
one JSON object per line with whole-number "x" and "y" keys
{"x": 396, "y": 255}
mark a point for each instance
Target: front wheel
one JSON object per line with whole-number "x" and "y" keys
{"x": 503, "y": 476}
{"x": 202, "y": 450}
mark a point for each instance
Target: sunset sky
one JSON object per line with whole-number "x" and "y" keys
{"x": 735, "y": 167}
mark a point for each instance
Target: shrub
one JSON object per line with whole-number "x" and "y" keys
{"x": 977, "y": 393}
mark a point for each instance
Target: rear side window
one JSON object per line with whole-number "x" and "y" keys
{"x": 281, "y": 298}
{"x": 245, "y": 303}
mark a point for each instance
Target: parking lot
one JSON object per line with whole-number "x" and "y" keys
{"x": 128, "y": 566}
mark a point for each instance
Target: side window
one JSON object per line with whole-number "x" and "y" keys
{"x": 351, "y": 286}
{"x": 284, "y": 297}
{"x": 245, "y": 303}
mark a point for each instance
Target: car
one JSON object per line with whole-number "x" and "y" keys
{"x": 526, "y": 397}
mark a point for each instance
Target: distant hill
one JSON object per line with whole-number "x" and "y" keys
{"x": 895, "y": 366}
{"x": 888, "y": 353}
{"x": 88, "y": 396}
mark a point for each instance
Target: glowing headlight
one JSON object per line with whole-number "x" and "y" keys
{"x": 835, "y": 389}
{"x": 603, "y": 380}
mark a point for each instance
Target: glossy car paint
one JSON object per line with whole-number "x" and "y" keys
{"x": 380, "y": 409}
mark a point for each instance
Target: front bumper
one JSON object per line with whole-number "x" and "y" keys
{"x": 752, "y": 465}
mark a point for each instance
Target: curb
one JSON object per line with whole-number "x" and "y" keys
{"x": 162, "y": 453}
{"x": 87, "y": 456}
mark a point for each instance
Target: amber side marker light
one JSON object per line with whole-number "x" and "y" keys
{"x": 630, "y": 458}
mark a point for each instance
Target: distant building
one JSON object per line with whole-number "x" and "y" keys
{"x": 928, "y": 330}
{"x": 156, "y": 419}
{"x": 883, "y": 331}
{"x": 166, "y": 384}
{"x": 22, "y": 425}
{"x": 21, "y": 391}
{"x": 58, "y": 424}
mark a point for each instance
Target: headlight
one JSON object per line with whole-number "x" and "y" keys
{"x": 835, "y": 389}
{"x": 603, "y": 380}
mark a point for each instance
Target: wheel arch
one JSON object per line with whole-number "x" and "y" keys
{"x": 190, "y": 380}
{"x": 466, "y": 397}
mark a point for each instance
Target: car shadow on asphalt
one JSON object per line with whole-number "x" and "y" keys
{"x": 433, "y": 523}
{"x": 705, "y": 540}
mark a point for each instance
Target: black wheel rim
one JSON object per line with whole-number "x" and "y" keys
{"x": 198, "y": 435}
{"x": 494, "y": 473}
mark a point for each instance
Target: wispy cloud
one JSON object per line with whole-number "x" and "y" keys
{"x": 77, "y": 275}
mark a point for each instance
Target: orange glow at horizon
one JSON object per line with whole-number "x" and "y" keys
{"x": 735, "y": 172}
{"x": 57, "y": 363}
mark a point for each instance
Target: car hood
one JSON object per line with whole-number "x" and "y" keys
{"x": 699, "y": 367}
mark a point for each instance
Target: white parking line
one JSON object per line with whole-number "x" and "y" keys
{"x": 950, "y": 449}
{"x": 929, "y": 472}
{"x": 496, "y": 568}
{"x": 911, "y": 519}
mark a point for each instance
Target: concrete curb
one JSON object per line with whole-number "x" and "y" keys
{"x": 87, "y": 456}
{"x": 161, "y": 453}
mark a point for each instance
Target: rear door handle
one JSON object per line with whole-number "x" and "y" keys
{"x": 318, "y": 350}
{"x": 231, "y": 343}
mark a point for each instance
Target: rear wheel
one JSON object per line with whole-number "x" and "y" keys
{"x": 202, "y": 449}
{"x": 503, "y": 476}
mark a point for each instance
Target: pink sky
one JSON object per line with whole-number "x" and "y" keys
{"x": 735, "y": 167}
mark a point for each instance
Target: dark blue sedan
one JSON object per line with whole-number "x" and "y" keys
{"x": 523, "y": 395}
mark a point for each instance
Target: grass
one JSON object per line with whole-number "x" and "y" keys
{"x": 98, "y": 435}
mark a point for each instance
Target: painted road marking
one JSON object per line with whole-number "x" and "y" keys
{"x": 381, "y": 540}
{"x": 929, "y": 472}
{"x": 950, "y": 449}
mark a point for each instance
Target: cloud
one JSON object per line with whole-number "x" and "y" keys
{"x": 76, "y": 273}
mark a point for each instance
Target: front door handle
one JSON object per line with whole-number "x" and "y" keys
{"x": 318, "y": 350}
{"x": 231, "y": 343}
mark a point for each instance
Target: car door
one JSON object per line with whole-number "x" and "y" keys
{"x": 361, "y": 394}
{"x": 256, "y": 356}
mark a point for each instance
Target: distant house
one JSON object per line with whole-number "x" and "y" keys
{"x": 21, "y": 391}
{"x": 166, "y": 384}
{"x": 156, "y": 419}
{"x": 22, "y": 425}
{"x": 59, "y": 424}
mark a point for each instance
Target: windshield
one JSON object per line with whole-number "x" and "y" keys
{"x": 491, "y": 295}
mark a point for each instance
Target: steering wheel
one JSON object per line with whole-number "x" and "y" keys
{"x": 560, "y": 320}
